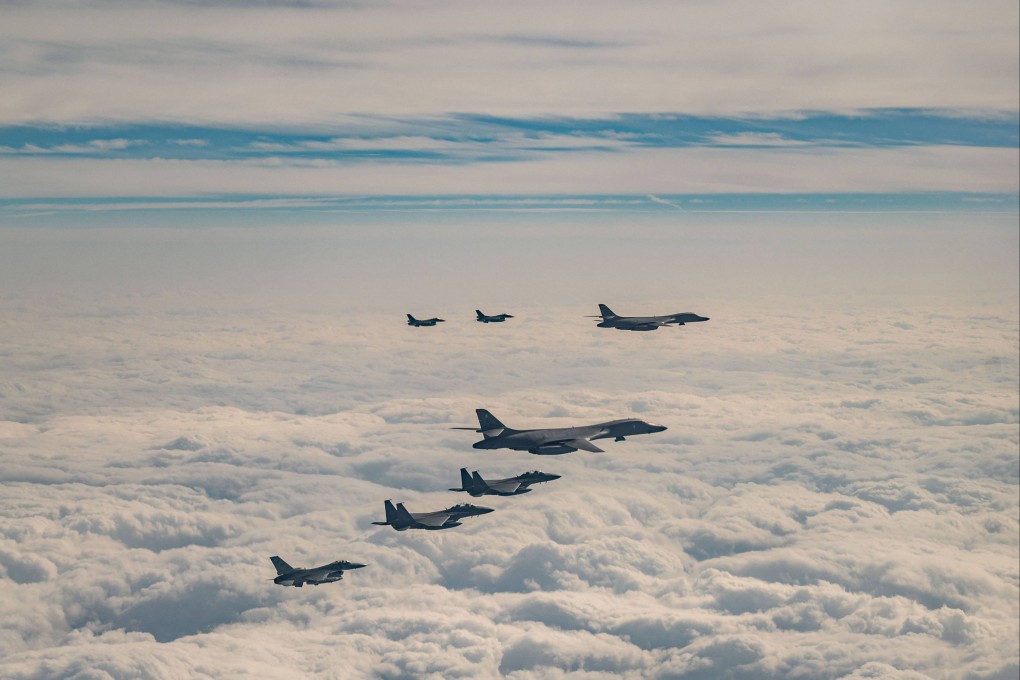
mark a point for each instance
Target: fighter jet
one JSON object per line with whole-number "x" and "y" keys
{"x": 402, "y": 520}
{"x": 611, "y": 319}
{"x": 514, "y": 486}
{"x": 495, "y": 318}
{"x": 553, "y": 441}
{"x": 287, "y": 575}
{"x": 411, "y": 321}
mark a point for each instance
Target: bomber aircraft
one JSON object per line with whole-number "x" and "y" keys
{"x": 287, "y": 575}
{"x": 400, "y": 519}
{"x": 495, "y": 318}
{"x": 411, "y": 321}
{"x": 514, "y": 486}
{"x": 610, "y": 319}
{"x": 556, "y": 440}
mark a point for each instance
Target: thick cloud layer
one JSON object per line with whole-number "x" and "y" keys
{"x": 836, "y": 495}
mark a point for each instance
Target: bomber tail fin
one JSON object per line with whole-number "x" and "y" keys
{"x": 489, "y": 424}
{"x": 281, "y": 566}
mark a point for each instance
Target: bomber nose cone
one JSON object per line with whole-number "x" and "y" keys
{"x": 659, "y": 428}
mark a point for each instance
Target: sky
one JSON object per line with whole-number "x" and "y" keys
{"x": 214, "y": 216}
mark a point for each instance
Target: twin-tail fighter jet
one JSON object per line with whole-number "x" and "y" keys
{"x": 611, "y": 319}
{"x": 400, "y": 519}
{"x": 287, "y": 575}
{"x": 495, "y": 318}
{"x": 411, "y": 321}
{"x": 514, "y": 486}
{"x": 553, "y": 441}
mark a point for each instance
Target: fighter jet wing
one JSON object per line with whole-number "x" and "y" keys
{"x": 504, "y": 487}
{"x": 432, "y": 519}
{"x": 581, "y": 443}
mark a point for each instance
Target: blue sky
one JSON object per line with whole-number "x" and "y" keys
{"x": 477, "y": 138}
{"x": 392, "y": 163}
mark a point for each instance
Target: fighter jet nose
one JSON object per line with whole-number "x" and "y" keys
{"x": 484, "y": 511}
{"x": 660, "y": 428}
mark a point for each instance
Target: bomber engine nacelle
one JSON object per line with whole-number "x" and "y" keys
{"x": 552, "y": 450}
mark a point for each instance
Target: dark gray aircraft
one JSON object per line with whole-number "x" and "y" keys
{"x": 610, "y": 319}
{"x": 495, "y": 318}
{"x": 514, "y": 486}
{"x": 411, "y": 321}
{"x": 402, "y": 520}
{"x": 287, "y": 575}
{"x": 552, "y": 441}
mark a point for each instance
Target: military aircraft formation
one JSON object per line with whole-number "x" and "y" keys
{"x": 609, "y": 319}
{"x": 496, "y": 435}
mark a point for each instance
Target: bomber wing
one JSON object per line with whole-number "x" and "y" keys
{"x": 580, "y": 443}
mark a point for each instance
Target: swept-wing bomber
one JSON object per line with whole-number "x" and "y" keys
{"x": 610, "y": 319}
{"x": 287, "y": 575}
{"x": 556, "y": 440}
{"x": 513, "y": 486}
{"x": 400, "y": 519}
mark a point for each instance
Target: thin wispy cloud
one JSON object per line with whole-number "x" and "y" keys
{"x": 661, "y": 201}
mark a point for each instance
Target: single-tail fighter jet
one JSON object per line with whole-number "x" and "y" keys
{"x": 287, "y": 575}
{"x": 411, "y": 321}
{"x": 495, "y": 318}
{"x": 611, "y": 319}
{"x": 514, "y": 486}
{"x": 400, "y": 519}
{"x": 553, "y": 441}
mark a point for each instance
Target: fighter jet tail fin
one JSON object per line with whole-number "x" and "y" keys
{"x": 606, "y": 311}
{"x": 489, "y": 424}
{"x": 411, "y": 318}
{"x": 479, "y": 314}
{"x": 281, "y": 566}
{"x": 402, "y": 514}
{"x": 465, "y": 479}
